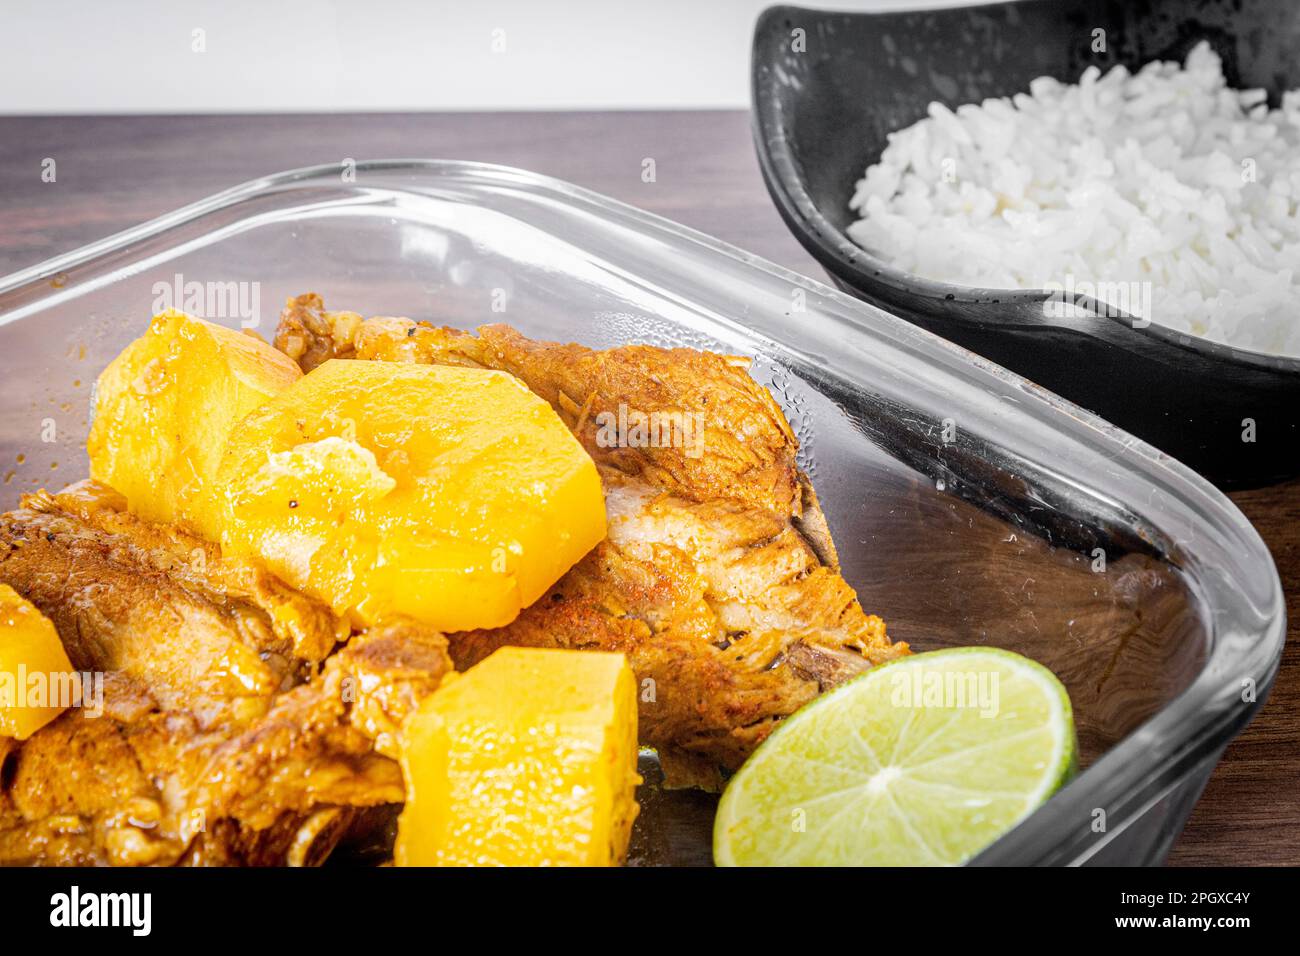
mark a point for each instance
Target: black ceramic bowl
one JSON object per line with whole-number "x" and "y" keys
{"x": 821, "y": 117}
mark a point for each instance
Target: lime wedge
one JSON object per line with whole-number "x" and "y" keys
{"x": 921, "y": 762}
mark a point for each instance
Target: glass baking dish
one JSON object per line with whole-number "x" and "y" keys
{"x": 968, "y": 505}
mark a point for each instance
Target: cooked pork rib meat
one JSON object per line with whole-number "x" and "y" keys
{"x": 718, "y": 578}
{"x": 726, "y": 614}
{"x": 160, "y": 789}
{"x": 223, "y": 739}
{"x": 748, "y": 446}
{"x": 161, "y": 605}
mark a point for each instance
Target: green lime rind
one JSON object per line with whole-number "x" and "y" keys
{"x": 925, "y": 760}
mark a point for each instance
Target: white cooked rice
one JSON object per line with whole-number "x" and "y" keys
{"x": 1164, "y": 189}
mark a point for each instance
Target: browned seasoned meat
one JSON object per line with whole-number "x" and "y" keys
{"x": 718, "y": 578}
{"x": 160, "y": 605}
{"x": 160, "y": 789}
{"x": 223, "y": 738}
{"x": 726, "y": 614}
{"x": 746, "y": 449}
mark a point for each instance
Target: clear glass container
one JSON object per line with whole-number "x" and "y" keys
{"x": 968, "y": 506}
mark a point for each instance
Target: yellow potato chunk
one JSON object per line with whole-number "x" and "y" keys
{"x": 164, "y": 407}
{"x": 37, "y": 682}
{"x": 527, "y": 759}
{"x": 454, "y": 496}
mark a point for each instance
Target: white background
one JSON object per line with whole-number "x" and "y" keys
{"x": 97, "y": 56}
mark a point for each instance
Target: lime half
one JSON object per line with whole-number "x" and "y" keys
{"x": 921, "y": 762}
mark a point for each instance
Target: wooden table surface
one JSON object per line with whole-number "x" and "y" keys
{"x": 112, "y": 173}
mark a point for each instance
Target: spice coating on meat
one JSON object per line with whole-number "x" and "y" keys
{"x": 227, "y": 733}
{"x": 718, "y": 578}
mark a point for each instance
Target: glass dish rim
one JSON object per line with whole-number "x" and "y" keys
{"x": 1042, "y": 837}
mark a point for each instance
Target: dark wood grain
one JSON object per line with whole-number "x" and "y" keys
{"x": 115, "y": 172}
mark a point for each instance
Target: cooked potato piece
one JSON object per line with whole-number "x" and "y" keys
{"x": 37, "y": 682}
{"x": 451, "y": 495}
{"x": 527, "y": 759}
{"x": 164, "y": 407}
